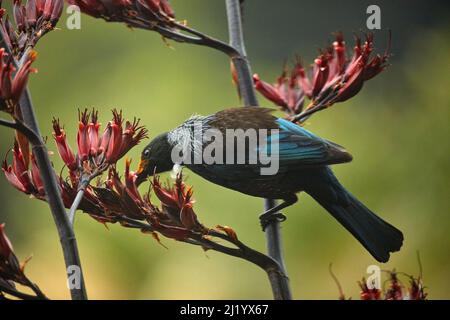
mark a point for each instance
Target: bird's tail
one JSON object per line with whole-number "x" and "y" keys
{"x": 376, "y": 235}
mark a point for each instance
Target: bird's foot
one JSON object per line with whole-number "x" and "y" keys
{"x": 267, "y": 218}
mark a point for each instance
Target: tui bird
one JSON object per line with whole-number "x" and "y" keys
{"x": 303, "y": 166}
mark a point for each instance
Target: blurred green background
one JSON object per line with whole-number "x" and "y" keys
{"x": 397, "y": 129}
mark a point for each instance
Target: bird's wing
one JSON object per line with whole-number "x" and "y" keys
{"x": 299, "y": 147}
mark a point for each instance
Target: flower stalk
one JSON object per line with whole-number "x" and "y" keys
{"x": 12, "y": 272}
{"x": 277, "y": 276}
{"x": 25, "y": 111}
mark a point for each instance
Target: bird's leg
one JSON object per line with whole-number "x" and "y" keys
{"x": 273, "y": 214}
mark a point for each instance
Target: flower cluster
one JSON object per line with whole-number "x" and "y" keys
{"x": 12, "y": 271}
{"x": 145, "y": 14}
{"x": 22, "y": 176}
{"x": 118, "y": 200}
{"x": 12, "y": 82}
{"x": 96, "y": 151}
{"x": 333, "y": 78}
{"x": 112, "y": 198}
{"x": 395, "y": 290}
{"x": 32, "y": 21}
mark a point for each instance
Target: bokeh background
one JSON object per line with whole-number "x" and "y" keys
{"x": 397, "y": 128}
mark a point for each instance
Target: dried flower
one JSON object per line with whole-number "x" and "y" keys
{"x": 137, "y": 13}
{"x": 33, "y": 20}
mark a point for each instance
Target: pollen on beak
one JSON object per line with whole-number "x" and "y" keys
{"x": 141, "y": 167}
{"x": 141, "y": 172}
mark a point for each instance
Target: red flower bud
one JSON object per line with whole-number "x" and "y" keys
{"x": 6, "y": 248}
{"x": 115, "y": 140}
{"x": 21, "y": 77}
{"x": 20, "y": 168}
{"x": 64, "y": 149}
{"x": 12, "y": 178}
{"x": 268, "y": 91}
{"x": 36, "y": 177}
{"x": 93, "y": 129}
{"x": 83, "y": 141}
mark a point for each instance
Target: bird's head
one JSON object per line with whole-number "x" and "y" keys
{"x": 155, "y": 158}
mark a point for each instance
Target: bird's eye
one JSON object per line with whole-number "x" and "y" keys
{"x": 146, "y": 153}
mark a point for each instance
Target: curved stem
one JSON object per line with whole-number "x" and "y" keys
{"x": 20, "y": 295}
{"x": 273, "y": 269}
{"x": 36, "y": 289}
{"x": 76, "y": 202}
{"x": 278, "y": 280}
{"x": 22, "y": 128}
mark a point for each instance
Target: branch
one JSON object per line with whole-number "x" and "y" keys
{"x": 22, "y": 128}
{"x": 170, "y": 30}
{"x": 18, "y": 294}
{"x": 240, "y": 250}
{"x": 278, "y": 280}
{"x": 65, "y": 231}
{"x": 84, "y": 183}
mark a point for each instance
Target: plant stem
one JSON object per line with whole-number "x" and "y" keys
{"x": 279, "y": 280}
{"x": 76, "y": 202}
{"x": 65, "y": 231}
{"x": 20, "y": 295}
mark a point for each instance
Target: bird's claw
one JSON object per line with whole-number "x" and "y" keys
{"x": 265, "y": 220}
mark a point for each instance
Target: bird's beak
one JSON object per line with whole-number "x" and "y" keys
{"x": 141, "y": 172}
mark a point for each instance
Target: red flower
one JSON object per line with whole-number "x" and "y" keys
{"x": 178, "y": 202}
{"x": 101, "y": 151}
{"x": 6, "y": 248}
{"x": 12, "y": 87}
{"x": 93, "y": 128}
{"x": 416, "y": 289}
{"x": 21, "y": 177}
{"x": 65, "y": 152}
{"x": 115, "y": 140}
{"x": 284, "y": 93}
{"x": 394, "y": 291}
{"x": 36, "y": 177}
{"x": 333, "y": 78}
{"x": 368, "y": 294}
{"x": 83, "y": 141}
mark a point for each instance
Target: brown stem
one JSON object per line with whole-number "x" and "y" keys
{"x": 240, "y": 250}
{"x": 278, "y": 278}
{"x": 20, "y": 295}
{"x": 35, "y": 288}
